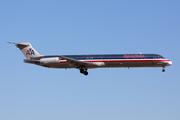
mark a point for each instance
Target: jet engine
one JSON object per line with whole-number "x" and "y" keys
{"x": 49, "y": 60}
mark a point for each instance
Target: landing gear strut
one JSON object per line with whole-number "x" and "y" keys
{"x": 83, "y": 71}
{"x": 163, "y": 70}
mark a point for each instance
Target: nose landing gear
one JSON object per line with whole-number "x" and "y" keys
{"x": 163, "y": 70}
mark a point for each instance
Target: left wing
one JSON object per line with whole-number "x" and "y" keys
{"x": 78, "y": 63}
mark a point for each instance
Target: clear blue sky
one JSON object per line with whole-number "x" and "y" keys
{"x": 56, "y": 27}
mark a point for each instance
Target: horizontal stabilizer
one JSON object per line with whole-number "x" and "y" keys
{"x": 23, "y": 44}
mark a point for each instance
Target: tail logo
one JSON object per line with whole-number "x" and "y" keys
{"x": 30, "y": 52}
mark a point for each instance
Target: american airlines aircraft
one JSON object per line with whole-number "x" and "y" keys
{"x": 85, "y": 62}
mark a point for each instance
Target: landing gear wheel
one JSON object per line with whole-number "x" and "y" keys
{"x": 82, "y": 71}
{"x": 85, "y": 73}
{"x": 163, "y": 70}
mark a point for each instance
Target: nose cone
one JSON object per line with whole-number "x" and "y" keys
{"x": 170, "y": 63}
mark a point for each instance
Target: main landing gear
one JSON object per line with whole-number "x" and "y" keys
{"x": 83, "y": 71}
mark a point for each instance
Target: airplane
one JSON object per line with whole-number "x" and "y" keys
{"x": 85, "y": 62}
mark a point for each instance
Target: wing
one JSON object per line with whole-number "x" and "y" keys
{"x": 78, "y": 63}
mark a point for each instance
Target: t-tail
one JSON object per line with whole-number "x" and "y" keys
{"x": 28, "y": 51}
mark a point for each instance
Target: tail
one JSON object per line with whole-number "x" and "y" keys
{"x": 28, "y": 51}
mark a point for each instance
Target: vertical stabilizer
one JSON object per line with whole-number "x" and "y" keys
{"x": 28, "y": 51}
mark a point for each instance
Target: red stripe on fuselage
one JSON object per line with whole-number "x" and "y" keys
{"x": 130, "y": 60}
{"x": 127, "y": 60}
{"x": 64, "y": 61}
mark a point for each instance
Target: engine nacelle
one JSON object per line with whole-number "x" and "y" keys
{"x": 49, "y": 60}
{"x": 99, "y": 63}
